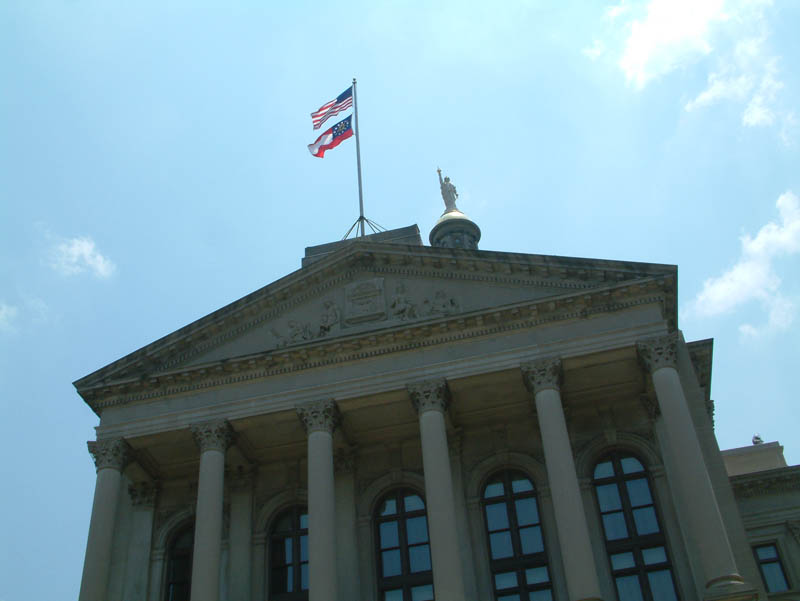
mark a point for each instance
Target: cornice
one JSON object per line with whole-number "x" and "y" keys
{"x": 407, "y": 336}
{"x": 274, "y": 299}
{"x": 781, "y": 480}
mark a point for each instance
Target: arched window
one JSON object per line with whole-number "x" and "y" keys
{"x": 635, "y": 540}
{"x": 403, "y": 551}
{"x": 516, "y": 546}
{"x": 179, "y": 566}
{"x": 289, "y": 555}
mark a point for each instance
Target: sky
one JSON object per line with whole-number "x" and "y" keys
{"x": 153, "y": 168}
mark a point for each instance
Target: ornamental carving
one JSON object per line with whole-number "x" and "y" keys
{"x": 658, "y": 352}
{"x": 143, "y": 494}
{"x": 364, "y": 301}
{"x": 213, "y": 436}
{"x": 319, "y": 416}
{"x": 542, "y": 374}
{"x": 429, "y": 395}
{"x": 114, "y": 453}
{"x": 344, "y": 462}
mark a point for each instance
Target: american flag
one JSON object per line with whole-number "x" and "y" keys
{"x": 334, "y": 107}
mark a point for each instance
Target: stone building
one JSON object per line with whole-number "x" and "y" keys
{"x": 394, "y": 421}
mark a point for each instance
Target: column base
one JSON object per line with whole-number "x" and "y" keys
{"x": 730, "y": 588}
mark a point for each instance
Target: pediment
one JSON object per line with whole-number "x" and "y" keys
{"x": 362, "y": 290}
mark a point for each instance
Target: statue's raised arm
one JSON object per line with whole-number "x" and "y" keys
{"x": 449, "y": 194}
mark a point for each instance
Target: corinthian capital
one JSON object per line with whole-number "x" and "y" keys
{"x": 213, "y": 436}
{"x": 659, "y": 351}
{"x": 143, "y": 494}
{"x": 319, "y": 416}
{"x": 542, "y": 374}
{"x": 113, "y": 453}
{"x": 429, "y": 395}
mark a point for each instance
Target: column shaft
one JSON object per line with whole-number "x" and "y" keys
{"x": 241, "y": 536}
{"x": 110, "y": 458}
{"x": 573, "y": 531}
{"x": 430, "y": 399}
{"x": 208, "y": 526}
{"x": 323, "y": 585}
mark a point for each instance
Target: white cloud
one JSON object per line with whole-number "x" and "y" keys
{"x": 595, "y": 50}
{"x": 8, "y": 314}
{"x": 79, "y": 254}
{"x": 753, "y": 277}
{"x": 617, "y": 10}
{"x": 671, "y": 33}
{"x": 759, "y": 110}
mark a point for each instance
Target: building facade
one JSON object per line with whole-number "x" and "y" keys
{"x": 394, "y": 422}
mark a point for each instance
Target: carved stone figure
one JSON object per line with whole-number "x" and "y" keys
{"x": 329, "y": 318}
{"x": 449, "y": 193}
{"x": 402, "y": 307}
{"x": 441, "y": 304}
{"x": 299, "y": 331}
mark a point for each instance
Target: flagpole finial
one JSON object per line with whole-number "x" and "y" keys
{"x": 354, "y": 80}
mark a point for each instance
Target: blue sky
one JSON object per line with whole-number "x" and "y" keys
{"x": 153, "y": 167}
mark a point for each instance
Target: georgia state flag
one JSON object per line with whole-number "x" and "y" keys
{"x": 332, "y": 138}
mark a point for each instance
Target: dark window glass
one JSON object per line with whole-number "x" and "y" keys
{"x": 289, "y": 555}
{"x": 634, "y": 540}
{"x": 769, "y": 562}
{"x": 179, "y": 566}
{"x": 516, "y": 545}
{"x": 404, "y": 555}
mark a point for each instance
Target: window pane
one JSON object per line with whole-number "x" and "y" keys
{"x": 500, "y": 543}
{"x": 417, "y": 530}
{"x": 661, "y": 586}
{"x": 391, "y": 562}
{"x": 543, "y": 595}
{"x": 287, "y": 546}
{"x": 496, "y": 516}
{"x": 628, "y": 588}
{"x": 527, "y": 511}
{"x": 537, "y": 575}
{"x": 289, "y": 579}
{"x": 614, "y": 525}
{"x": 419, "y": 558}
{"x": 645, "y": 519}
{"x": 389, "y": 535}
{"x": 608, "y": 497}
{"x": 413, "y": 503}
{"x": 389, "y": 507}
{"x": 422, "y": 593}
{"x": 631, "y": 465}
{"x": 393, "y": 595}
{"x": 521, "y": 485}
{"x": 495, "y": 489}
{"x": 767, "y": 552}
{"x": 621, "y": 561}
{"x": 639, "y": 492}
{"x": 654, "y": 555}
{"x": 508, "y": 598}
{"x": 304, "y": 548}
{"x": 304, "y": 577}
{"x": 531, "y": 539}
{"x": 604, "y": 470}
{"x": 303, "y": 521}
{"x": 773, "y": 577}
{"x": 505, "y": 580}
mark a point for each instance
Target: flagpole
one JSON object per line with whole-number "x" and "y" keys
{"x": 358, "y": 160}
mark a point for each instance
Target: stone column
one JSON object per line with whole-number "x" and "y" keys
{"x": 346, "y": 528}
{"x": 110, "y": 458}
{"x": 431, "y": 399}
{"x": 137, "y": 567}
{"x": 320, "y": 419}
{"x": 240, "y": 537}
{"x": 689, "y": 474}
{"x": 213, "y": 439}
{"x": 543, "y": 378}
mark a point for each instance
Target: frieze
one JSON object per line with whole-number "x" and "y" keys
{"x": 409, "y": 337}
{"x": 319, "y": 416}
{"x": 542, "y": 374}
{"x": 113, "y": 453}
{"x": 780, "y": 480}
{"x": 429, "y": 395}
{"x": 659, "y": 351}
{"x": 213, "y": 435}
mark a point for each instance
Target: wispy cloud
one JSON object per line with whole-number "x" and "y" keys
{"x": 754, "y": 277}
{"x": 595, "y": 50}
{"x": 8, "y": 315}
{"x": 78, "y": 255}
